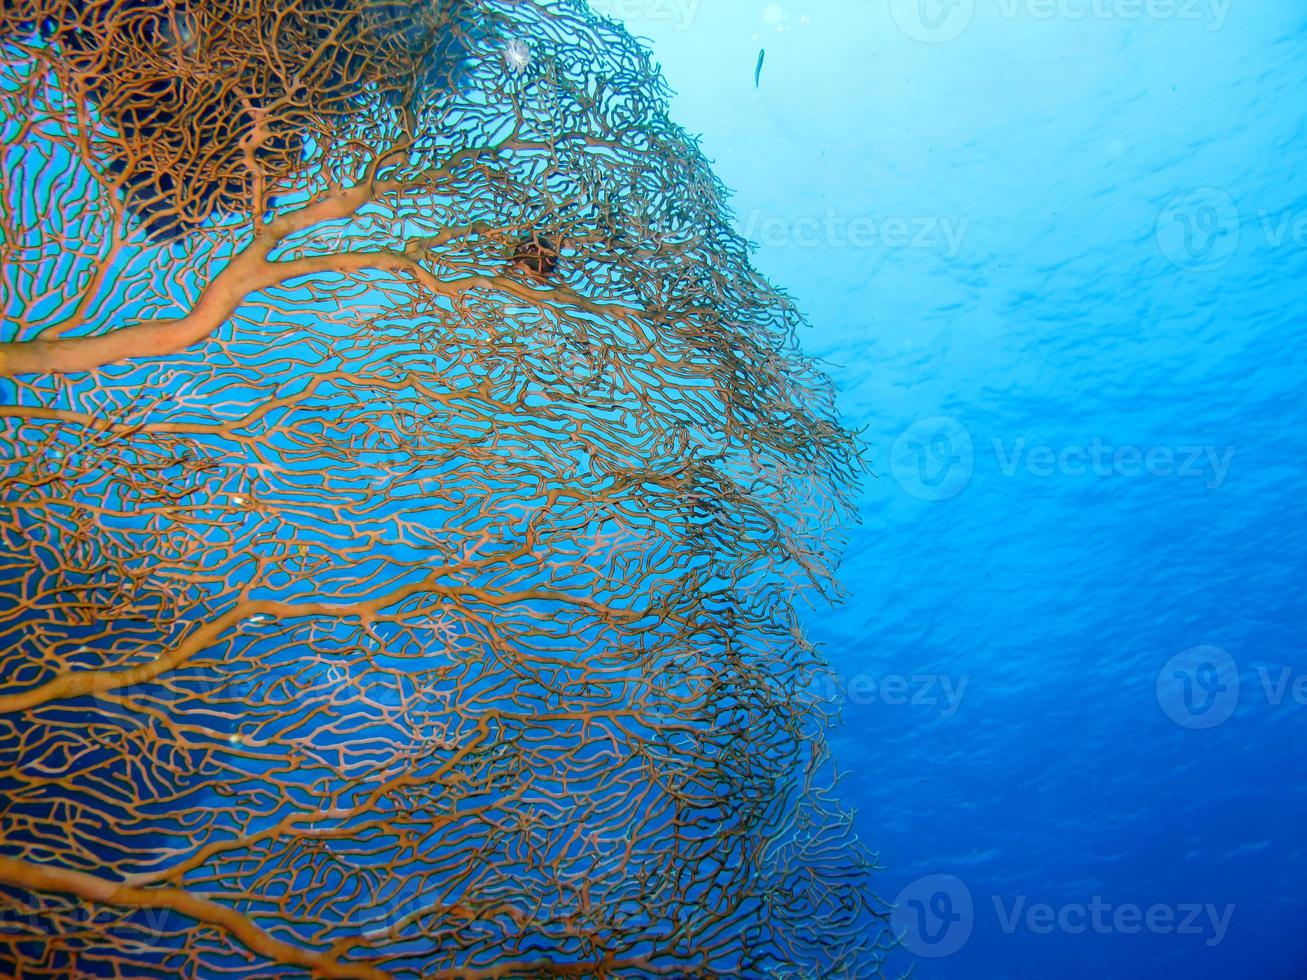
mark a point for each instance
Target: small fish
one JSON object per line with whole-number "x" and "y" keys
{"x": 757, "y": 72}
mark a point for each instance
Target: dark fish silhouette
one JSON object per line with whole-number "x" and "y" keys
{"x": 757, "y": 72}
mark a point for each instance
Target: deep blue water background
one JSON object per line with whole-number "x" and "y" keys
{"x": 1124, "y": 187}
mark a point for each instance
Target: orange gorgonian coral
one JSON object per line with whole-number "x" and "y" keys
{"x": 408, "y": 485}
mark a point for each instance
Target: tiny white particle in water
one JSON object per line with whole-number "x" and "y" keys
{"x": 517, "y": 56}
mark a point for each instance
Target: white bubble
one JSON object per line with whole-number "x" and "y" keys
{"x": 772, "y": 13}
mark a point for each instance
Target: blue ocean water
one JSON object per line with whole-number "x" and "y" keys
{"x": 1055, "y": 253}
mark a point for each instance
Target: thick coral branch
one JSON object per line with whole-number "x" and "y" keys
{"x": 79, "y": 683}
{"x": 45, "y": 878}
{"x": 152, "y": 338}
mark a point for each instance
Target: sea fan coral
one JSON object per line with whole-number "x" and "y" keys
{"x": 402, "y": 565}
